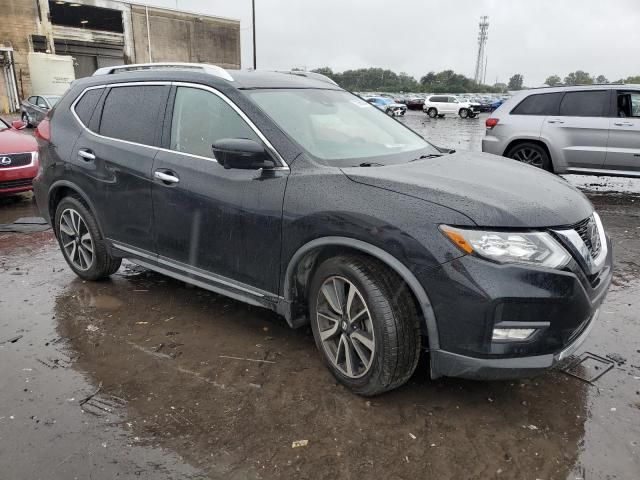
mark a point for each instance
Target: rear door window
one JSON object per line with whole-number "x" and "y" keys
{"x": 628, "y": 104}
{"x": 201, "y": 118}
{"x": 588, "y": 103}
{"x": 132, "y": 113}
{"x": 539, "y": 104}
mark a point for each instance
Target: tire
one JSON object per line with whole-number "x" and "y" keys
{"x": 432, "y": 112}
{"x": 25, "y": 119}
{"x": 464, "y": 113}
{"x": 79, "y": 238}
{"x": 472, "y": 115}
{"x": 531, "y": 154}
{"x": 387, "y": 322}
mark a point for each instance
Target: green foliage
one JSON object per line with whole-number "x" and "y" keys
{"x": 553, "y": 80}
{"x": 516, "y": 81}
{"x": 601, "y": 79}
{"x": 578, "y": 78}
{"x": 383, "y": 80}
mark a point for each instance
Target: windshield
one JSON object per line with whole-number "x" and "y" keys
{"x": 52, "y": 100}
{"x": 335, "y": 125}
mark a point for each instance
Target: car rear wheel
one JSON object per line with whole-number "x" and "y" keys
{"x": 464, "y": 113}
{"x": 432, "y": 112}
{"x": 25, "y": 119}
{"x": 81, "y": 242}
{"x": 531, "y": 154}
{"x": 365, "y": 324}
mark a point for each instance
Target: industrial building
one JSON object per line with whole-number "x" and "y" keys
{"x": 62, "y": 40}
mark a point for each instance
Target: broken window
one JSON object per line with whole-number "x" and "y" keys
{"x": 70, "y": 14}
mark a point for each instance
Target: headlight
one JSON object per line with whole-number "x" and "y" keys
{"x": 531, "y": 248}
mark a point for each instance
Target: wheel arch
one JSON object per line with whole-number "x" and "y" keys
{"x": 304, "y": 261}
{"x": 536, "y": 141}
{"x": 64, "y": 188}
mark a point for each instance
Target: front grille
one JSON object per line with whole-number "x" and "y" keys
{"x": 13, "y": 160}
{"x": 23, "y": 182}
{"x": 588, "y": 231}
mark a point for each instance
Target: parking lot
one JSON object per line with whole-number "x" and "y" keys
{"x": 143, "y": 376}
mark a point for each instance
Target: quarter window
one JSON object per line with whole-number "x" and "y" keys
{"x": 42, "y": 103}
{"x": 589, "y": 103}
{"x": 132, "y": 113}
{"x": 201, "y": 118}
{"x": 87, "y": 104}
{"x": 539, "y": 104}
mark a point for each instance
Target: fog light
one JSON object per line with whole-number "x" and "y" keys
{"x": 512, "y": 333}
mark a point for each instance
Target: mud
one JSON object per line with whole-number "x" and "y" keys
{"x": 178, "y": 382}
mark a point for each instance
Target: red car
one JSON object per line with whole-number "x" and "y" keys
{"x": 18, "y": 158}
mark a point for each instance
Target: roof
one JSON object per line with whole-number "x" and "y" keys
{"x": 243, "y": 79}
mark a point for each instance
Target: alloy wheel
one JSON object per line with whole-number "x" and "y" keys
{"x": 76, "y": 240}
{"x": 528, "y": 156}
{"x": 345, "y": 327}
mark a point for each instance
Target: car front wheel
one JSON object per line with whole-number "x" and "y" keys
{"x": 81, "y": 242}
{"x": 365, "y": 324}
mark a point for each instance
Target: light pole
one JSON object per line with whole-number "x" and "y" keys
{"x": 253, "y": 19}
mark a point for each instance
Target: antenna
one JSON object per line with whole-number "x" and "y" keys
{"x": 483, "y": 35}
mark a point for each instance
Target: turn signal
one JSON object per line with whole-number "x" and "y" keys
{"x": 456, "y": 238}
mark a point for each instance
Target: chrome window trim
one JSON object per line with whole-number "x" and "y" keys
{"x": 283, "y": 165}
{"x": 34, "y": 155}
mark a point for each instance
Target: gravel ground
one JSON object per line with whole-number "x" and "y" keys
{"x": 146, "y": 377}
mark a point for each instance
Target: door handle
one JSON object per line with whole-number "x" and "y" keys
{"x": 555, "y": 120}
{"x": 86, "y": 155}
{"x": 166, "y": 177}
{"x": 623, "y": 124}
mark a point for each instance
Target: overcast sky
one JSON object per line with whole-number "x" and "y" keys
{"x": 536, "y": 38}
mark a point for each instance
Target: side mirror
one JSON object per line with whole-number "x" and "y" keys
{"x": 241, "y": 153}
{"x": 18, "y": 125}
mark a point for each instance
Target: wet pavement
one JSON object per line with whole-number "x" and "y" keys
{"x": 143, "y": 376}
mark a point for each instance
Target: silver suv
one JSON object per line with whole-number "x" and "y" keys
{"x": 593, "y": 130}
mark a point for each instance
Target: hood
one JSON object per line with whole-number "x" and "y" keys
{"x": 14, "y": 141}
{"x": 492, "y": 191}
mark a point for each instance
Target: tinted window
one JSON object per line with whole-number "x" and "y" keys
{"x": 540, "y": 104}
{"x": 132, "y": 113}
{"x": 628, "y": 104}
{"x": 592, "y": 103}
{"x": 438, "y": 99}
{"x": 201, "y": 118}
{"x": 87, "y": 104}
{"x": 32, "y": 100}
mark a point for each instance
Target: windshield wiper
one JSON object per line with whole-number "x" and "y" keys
{"x": 430, "y": 155}
{"x": 371, "y": 164}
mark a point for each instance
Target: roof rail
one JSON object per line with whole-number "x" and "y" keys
{"x": 317, "y": 76}
{"x": 204, "y": 67}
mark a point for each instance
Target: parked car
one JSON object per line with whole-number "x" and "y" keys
{"x": 591, "y": 130}
{"x": 484, "y": 104}
{"x": 18, "y": 158}
{"x": 387, "y": 105}
{"x": 494, "y": 104}
{"x": 35, "y": 108}
{"x": 440, "y": 105}
{"x": 415, "y": 103}
{"x": 289, "y": 193}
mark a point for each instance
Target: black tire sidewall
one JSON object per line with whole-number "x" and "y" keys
{"x": 100, "y": 257}
{"x": 546, "y": 161}
{"x": 331, "y": 268}
{"x": 464, "y": 113}
{"x": 432, "y": 112}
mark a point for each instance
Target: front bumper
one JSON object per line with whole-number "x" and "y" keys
{"x": 16, "y": 180}
{"x": 562, "y": 306}
{"x": 453, "y": 365}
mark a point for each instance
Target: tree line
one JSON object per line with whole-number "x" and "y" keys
{"x": 447, "y": 81}
{"x": 384, "y": 80}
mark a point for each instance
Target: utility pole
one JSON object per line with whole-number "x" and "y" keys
{"x": 483, "y": 35}
{"x": 253, "y": 18}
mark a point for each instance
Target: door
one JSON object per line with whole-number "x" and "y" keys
{"x": 40, "y": 109}
{"x": 116, "y": 166}
{"x": 623, "y": 150}
{"x": 452, "y": 105}
{"x": 577, "y": 136}
{"x": 208, "y": 218}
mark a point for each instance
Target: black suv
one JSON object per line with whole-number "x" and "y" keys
{"x": 285, "y": 191}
